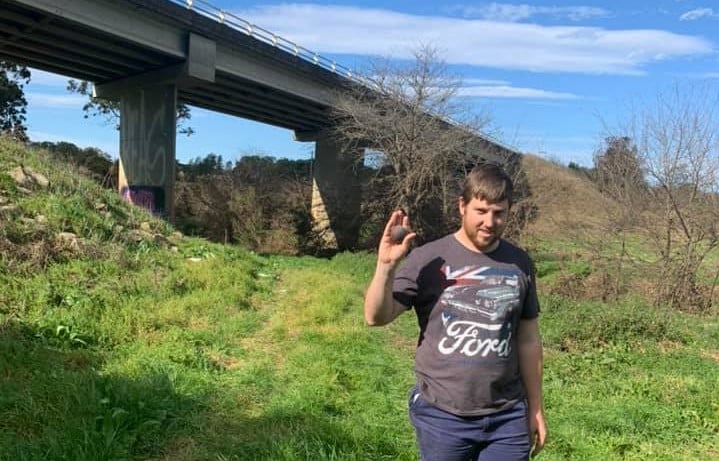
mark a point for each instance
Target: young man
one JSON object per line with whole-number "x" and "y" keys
{"x": 478, "y": 362}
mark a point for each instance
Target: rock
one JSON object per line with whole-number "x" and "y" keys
{"x": 27, "y": 178}
{"x": 24, "y": 190}
{"x": 38, "y": 179}
{"x": 176, "y": 235}
{"x": 4, "y": 200}
{"x": 174, "y": 249}
{"x": 41, "y": 219}
{"x": 8, "y": 208}
{"x": 398, "y": 233}
{"x": 138, "y": 236}
{"x": 145, "y": 226}
{"x": 68, "y": 240}
{"x": 100, "y": 206}
{"x": 161, "y": 240}
{"x": 20, "y": 178}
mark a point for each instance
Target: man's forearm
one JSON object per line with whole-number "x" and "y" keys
{"x": 530, "y": 367}
{"x": 379, "y": 305}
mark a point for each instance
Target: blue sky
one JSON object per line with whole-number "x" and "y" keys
{"x": 553, "y": 75}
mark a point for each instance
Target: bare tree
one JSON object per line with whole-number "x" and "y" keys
{"x": 677, "y": 139}
{"x": 405, "y": 118}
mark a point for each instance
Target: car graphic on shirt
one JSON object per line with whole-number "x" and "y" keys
{"x": 492, "y": 302}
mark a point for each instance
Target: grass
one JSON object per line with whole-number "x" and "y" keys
{"x": 127, "y": 350}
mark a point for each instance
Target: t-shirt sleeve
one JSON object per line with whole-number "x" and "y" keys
{"x": 530, "y": 309}
{"x": 405, "y": 286}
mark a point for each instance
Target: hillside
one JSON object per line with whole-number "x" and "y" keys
{"x": 567, "y": 202}
{"x": 121, "y": 339}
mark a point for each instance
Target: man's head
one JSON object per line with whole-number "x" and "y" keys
{"x": 484, "y": 206}
{"x": 488, "y": 181}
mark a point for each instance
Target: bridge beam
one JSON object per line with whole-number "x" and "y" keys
{"x": 335, "y": 210}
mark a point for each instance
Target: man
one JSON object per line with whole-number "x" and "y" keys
{"x": 478, "y": 362}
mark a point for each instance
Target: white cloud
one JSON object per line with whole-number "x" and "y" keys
{"x": 482, "y": 81}
{"x": 698, "y": 13}
{"x": 512, "y": 13}
{"x": 55, "y": 101}
{"x": 505, "y": 91}
{"x": 513, "y": 46}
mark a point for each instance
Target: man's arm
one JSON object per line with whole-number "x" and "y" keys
{"x": 380, "y": 307}
{"x": 530, "y": 369}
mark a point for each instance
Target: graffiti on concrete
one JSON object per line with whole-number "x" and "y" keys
{"x": 151, "y": 198}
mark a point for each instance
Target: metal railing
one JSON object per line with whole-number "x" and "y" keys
{"x": 252, "y": 30}
{"x": 235, "y": 22}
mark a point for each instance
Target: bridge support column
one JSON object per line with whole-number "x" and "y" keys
{"x": 335, "y": 194}
{"x": 147, "y": 147}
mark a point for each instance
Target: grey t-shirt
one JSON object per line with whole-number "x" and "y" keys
{"x": 468, "y": 306}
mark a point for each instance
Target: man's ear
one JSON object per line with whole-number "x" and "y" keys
{"x": 461, "y": 205}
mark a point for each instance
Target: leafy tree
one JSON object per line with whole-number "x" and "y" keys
{"x": 110, "y": 110}
{"x": 210, "y": 164}
{"x": 13, "y": 104}
{"x": 618, "y": 167}
{"x": 618, "y": 174}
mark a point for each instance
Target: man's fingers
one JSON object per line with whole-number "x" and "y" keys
{"x": 538, "y": 440}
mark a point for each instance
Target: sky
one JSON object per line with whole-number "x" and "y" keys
{"x": 555, "y": 76}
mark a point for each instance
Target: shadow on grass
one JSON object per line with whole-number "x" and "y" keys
{"x": 283, "y": 435}
{"x": 55, "y": 405}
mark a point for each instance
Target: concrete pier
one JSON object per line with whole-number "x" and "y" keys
{"x": 335, "y": 194}
{"x": 147, "y": 147}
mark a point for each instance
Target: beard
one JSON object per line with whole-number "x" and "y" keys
{"x": 483, "y": 240}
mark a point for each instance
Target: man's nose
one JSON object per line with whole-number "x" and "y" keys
{"x": 489, "y": 220}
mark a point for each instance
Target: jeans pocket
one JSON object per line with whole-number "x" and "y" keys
{"x": 413, "y": 397}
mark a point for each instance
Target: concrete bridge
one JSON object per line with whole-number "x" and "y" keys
{"x": 151, "y": 54}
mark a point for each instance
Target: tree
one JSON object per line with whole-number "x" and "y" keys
{"x": 677, "y": 142}
{"x": 110, "y": 110}
{"x": 418, "y": 158}
{"x": 618, "y": 175}
{"x": 13, "y": 104}
{"x": 617, "y": 167}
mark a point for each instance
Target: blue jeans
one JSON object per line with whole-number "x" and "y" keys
{"x": 443, "y": 436}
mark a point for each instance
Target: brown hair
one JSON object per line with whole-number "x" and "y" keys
{"x": 487, "y": 181}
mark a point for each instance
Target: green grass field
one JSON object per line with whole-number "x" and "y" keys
{"x": 143, "y": 350}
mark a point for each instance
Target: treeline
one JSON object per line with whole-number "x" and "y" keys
{"x": 262, "y": 203}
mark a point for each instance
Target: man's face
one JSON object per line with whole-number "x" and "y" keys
{"x": 483, "y": 222}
